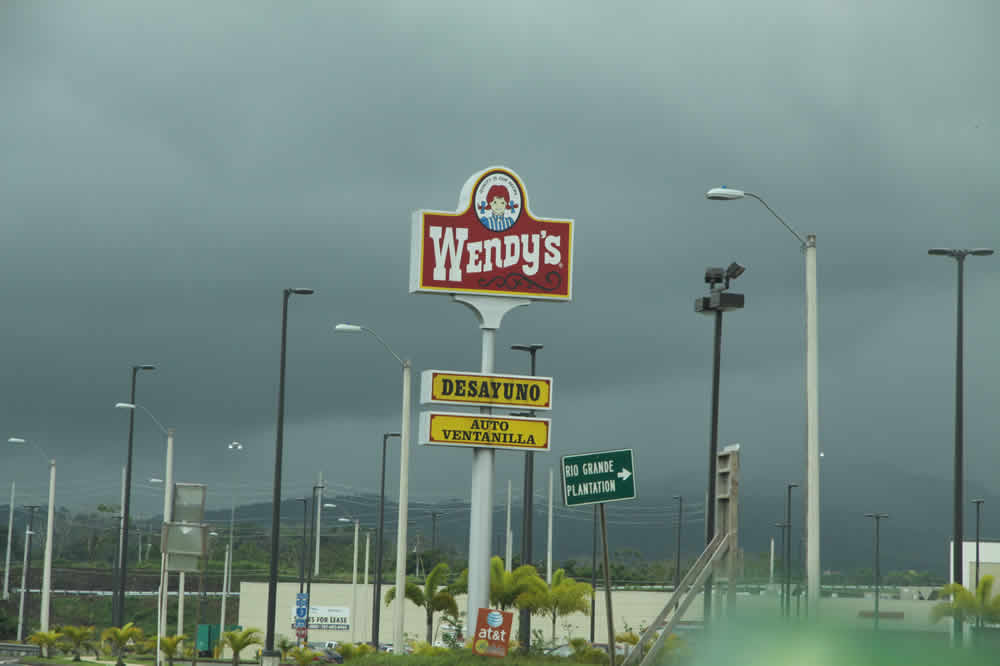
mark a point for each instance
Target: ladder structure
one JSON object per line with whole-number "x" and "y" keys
{"x": 725, "y": 544}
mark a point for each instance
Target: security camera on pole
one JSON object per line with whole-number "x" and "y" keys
{"x": 492, "y": 255}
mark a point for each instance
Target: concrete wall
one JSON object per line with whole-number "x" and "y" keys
{"x": 989, "y": 561}
{"x": 635, "y": 608}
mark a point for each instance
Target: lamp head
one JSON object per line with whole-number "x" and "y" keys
{"x": 714, "y": 276}
{"x": 734, "y": 271}
{"x": 155, "y": 480}
{"x": 327, "y": 505}
{"x": 527, "y": 348}
{"x": 301, "y": 291}
{"x": 344, "y": 520}
{"x": 144, "y": 367}
{"x": 981, "y": 252}
{"x": 236, "y": 446}
{"x": 16, "y": 440}
{"x": 348, "y": 328}
{"x": 723, "y": 194}
{"x": 124, "y": 405}
{"x": 941, "y": 252}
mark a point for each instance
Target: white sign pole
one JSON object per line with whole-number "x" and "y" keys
{"x": 490, "y": 311}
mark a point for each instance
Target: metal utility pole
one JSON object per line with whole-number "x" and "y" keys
{"x": 716, "y": 303}
{"x": 956, "y": 561}
{"x": 268, "y": 656}
{"x": 527, "y": 509}
{"x": 979, "y": 504}
{"x": 593, "y": 580}
{"x": 677, "y": 550}
{"x": 119, "y": 619}
{"x": 380, "y": 545}
{"x": 434, "y": 530}
{"x": 877, "y": 517}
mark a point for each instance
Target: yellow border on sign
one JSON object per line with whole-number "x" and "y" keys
{"x": 528, "y": 294}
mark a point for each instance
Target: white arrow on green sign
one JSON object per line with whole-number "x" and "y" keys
{"x": 594, "y": 478}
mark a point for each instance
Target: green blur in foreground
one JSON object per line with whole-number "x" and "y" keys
{"x": 747, "y": 642}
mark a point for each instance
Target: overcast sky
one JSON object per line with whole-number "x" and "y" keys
{"x": 168, "y": 168}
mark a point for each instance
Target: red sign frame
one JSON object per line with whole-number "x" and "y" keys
{"x": 492, "y": 245}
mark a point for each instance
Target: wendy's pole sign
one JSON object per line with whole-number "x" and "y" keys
{"x": 492, "y": 245}
{"x": 492, "y": 254}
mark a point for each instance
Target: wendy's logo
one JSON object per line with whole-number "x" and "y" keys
{"x": 498, "y": 200}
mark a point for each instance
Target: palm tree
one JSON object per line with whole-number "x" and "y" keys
{"x": 303, "y": 656}
{"x": 564, "y": 596}
{"x": 284, "y": 644}
{"x": 120, "y": 637}
{"x": 511, "y": 588}
{"x": 967, "y": 606}
{"x": 432, "y": 597}
{"x": 77, "y": 639}
{"x": 45, "y": 640}
{"x": 237, "y": 641}
{"x": 169, "y": 646}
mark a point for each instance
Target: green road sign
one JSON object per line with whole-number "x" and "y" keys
{"x": 593, "y": 478}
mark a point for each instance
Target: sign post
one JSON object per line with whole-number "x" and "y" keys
{"x": 597, "y": 478}
{"x": 492, "y": 255}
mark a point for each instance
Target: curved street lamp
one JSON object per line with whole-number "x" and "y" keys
{"x": 404, "y": 480}
{"x": 812, "y": 394}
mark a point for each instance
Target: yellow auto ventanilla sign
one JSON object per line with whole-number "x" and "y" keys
{"x": 485, "y": 390}
{"x": 475, "y": 430}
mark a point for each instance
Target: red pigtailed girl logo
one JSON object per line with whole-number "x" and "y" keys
{"x": 498, "y": 201}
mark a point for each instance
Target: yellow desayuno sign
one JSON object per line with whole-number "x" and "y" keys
{"x": 485, "y": 390}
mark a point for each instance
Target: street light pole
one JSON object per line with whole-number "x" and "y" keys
{"x": 877, "y": 517}
{"x": 527, "y": 509}
{"x": 47, "y": 561}
{"x": 379, "y": 542}
{"x": 788, "y": 549}
{"x": 23, "y": 614}
{"x": 119, "y": 609}
{"x": 716, "y": 303}
{"x": 268, "y": 656}
{"x": 677, "y": 551}
{"x": 10, "y": 539}
{"x": 979, "y": 504}
{"x": 404, "y": 484}
{"x": 808, "y": 245}
{"x": 959, "y": 256}
{"x": 227, "y": 574}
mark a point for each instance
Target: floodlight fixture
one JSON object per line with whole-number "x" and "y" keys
{"x": 724, "y": 194}
{"x": 735, "y": 270}
{"x": 714, "y": 276}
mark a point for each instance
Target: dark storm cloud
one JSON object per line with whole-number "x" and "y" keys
{"x": 169, "y": 169}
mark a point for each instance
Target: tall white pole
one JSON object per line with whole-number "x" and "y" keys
{"x": 770, "y": 579}
{"x": 47, "y": 563}
{"x": 812, "y": 431}
{"x": 548, "y": 554}
{"x": 481, "y": 506}
{"x": 508, "y": 553}
{"x": 225, "y": 591}
{"x": 404, "y": 483}
{"x": 354, "y": 583}
{"x": 24, "y": 583}
{"x": 168, "y": 489}
{"x": 10, "y": 538}
{"x": 180, "y": 603}
{"x": 368, "y": 543}
{"x": 319, "y": 512}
